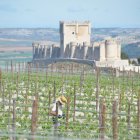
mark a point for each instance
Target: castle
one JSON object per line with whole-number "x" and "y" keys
{"x": 75, "y": 44}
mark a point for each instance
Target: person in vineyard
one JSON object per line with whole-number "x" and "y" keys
{"x": 57, "y": 111}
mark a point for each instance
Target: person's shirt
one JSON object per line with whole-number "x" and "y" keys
{"x": 59, "y": 108}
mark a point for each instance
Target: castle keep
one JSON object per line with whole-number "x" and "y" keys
{"x": 75, "y": 44}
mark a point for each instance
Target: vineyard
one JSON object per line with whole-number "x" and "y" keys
{"x": 101, "y": 104}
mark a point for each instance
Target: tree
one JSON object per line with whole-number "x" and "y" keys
{"x": 138, "y": 60}
{"x": 124, "y": 55}
{"x": 134, "y": 62}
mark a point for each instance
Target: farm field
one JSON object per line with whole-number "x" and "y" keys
{"x": 100, "y": 104}
{"x": 7, "y": 55}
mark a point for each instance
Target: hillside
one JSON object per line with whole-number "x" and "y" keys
{"x": 133, "y": 50}
{"x": 23, "y": 37}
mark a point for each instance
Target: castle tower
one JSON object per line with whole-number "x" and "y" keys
{"x": 102, "y": 51}
{"x": 112, "y": 49}
{"x": 73, "y": 46}
{"x": 74, "y": 32}
{"x": 85, "y": 47}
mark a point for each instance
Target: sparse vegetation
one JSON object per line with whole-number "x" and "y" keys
{"x": 139, "y": 60}
{"x": 124, "y": 55}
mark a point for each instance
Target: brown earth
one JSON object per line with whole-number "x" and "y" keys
{"x": 6, "y": 49}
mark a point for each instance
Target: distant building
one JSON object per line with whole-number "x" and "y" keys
{"x": 74, "y": 33}
{"x": 75, "y": 44}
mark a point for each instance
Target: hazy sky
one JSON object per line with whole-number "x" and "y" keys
{"x": 48, "y": 13}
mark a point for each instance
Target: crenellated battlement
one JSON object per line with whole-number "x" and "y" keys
{"x": 75, "y": 43}
{"x": 98, "y": 51}
{"x": 75, "y": 22}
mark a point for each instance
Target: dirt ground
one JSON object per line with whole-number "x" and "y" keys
{"x": 9, "y": 49}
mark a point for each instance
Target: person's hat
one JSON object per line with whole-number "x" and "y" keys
{"x": 62, "y": 99}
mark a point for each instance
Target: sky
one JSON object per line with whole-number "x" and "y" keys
{"x": 48, "y": 13}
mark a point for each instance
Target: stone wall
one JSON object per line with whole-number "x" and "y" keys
{"x": 102, "y": 51}
{"x": 72, "y": 51}
{"x": 75, "y": 43}
{"x": 43, "y": 51}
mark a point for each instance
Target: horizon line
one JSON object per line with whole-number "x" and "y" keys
{"x": 58, "y": 27}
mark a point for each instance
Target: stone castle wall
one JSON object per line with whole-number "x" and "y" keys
{"x": 107, "y": 50}
{"x": 75, "y": 44}
{"x": 43, "y": 51}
